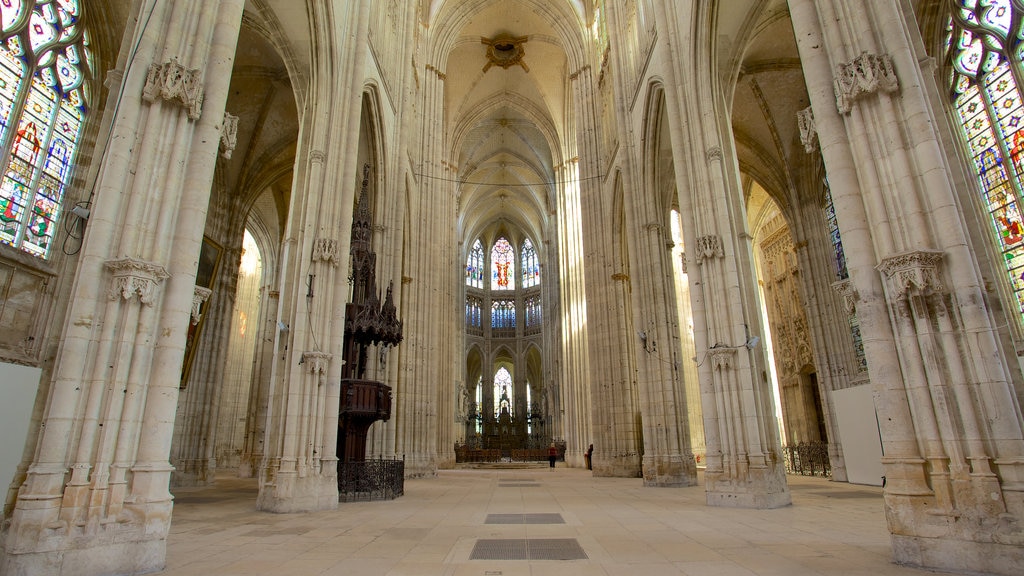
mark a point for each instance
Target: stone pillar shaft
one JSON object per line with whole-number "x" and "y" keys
{"x": 110, "y": 416}
{"x": 951, "y": 436}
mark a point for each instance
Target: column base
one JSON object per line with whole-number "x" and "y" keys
{"x": 290, "y": 493}
{"x": 760, "y": 488}
{"x": 958, "y": 556}
{"x": 669, "y": 471}
{"x": 617, "y": 466}
{"x": 131, "y": 557}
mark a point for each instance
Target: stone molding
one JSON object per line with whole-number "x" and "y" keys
{"x": 437, "y": 71}
{"x": 316, "y": 362}
{"x": 849, "y": 294}
{"x": 228, "y": 135}
{"x": 133, "y": 277}
{"x": 200, "y": 296}
{"x": 866, "y": 74}
{"x": 808, "y": 129}
{"x": 317, "y": 157}
{"x": 175, "y": 83}
{"x": 708, "y": 247}
{"x": 722, "y": 357}
{"x": 325, "y": 250}
{"x": 916, "y": 271}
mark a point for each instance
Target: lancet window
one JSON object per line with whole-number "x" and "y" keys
{"x": 503, "y": 392}
{"x": 44, "y": 64}
{"x": 529, "y": 264}
{"x": 475, "y": 266}
{"x": 502, "y": 265}
{"x": 983, "y": 53}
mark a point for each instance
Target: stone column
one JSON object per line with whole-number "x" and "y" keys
{"x": 256, "y": 414}
{"x": 744, "y": 459}
{"x": 606, "y": 371}
{"x": 299, "y": 471}
{"x": 96, "y": 500}
{"x": 951, "y": 430}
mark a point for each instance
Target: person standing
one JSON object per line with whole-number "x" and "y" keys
{"x": 589, "y": 457}
{"x": 552, "y": 455}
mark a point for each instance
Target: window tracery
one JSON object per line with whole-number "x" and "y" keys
{"x": 502, "y": 264}
{"x": 44, "y": 62}
{"x": 983, "y": 53}
{"x": 529, "y": 265}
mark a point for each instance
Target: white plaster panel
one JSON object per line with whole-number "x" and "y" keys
{"x": 858, "y": 433}
{"x": 18, "y": 385}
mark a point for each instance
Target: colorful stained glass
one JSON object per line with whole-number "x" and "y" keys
{"x": 988, "y": 102}
{"x": 502, "y": 262}
{"x": 503, "y": 314}
{"x": 473, "y": 307}
{"x": 532, "y": 311}
{"x": 475, "y": 266}
{"x": 837, "y": 242}
{"x": 11, "y": 12}
{"x": 529, "y": 264}
{"x": 42, "y": 106}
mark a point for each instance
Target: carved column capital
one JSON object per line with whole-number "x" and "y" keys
{"x": 708, "y": 247}
{"x": 916, "y": 272}
{"x": 714, "y": 154}
{"x": 316, "y": 362}
{"x": 865, "y": 74}
{"x": 849, "y": 293}
{"x": 325, "y": 250}
{"x": 133, "y": 277}
{"x": 228, "y": 135}
{"x": 198, "y": 297}
{"x": 175, "y": 83}
{"x": 808, "y": 129}
{"x": 317, "y": 157}
{"x": 722, "y": 358}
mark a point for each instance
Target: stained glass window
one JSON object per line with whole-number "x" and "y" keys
{"x": 473, "y": 306}
{"x": 503, "y": 314}
{"x": 475, "y": 266}
{"x": 529, "y": 265}
{"x": 502, "y": 391}
{"x": 984, "y": 57}
{"x": 839, "y": 257}
{"x": 44, "y": 61}
{"x": 502, "y": 262}
{"x": 531, "y": 310}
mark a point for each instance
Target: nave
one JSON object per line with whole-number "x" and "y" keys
{"x": 621, "y": 527}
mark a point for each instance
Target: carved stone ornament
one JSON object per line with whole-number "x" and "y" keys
{"x": 709, "y": 247}
{"x": 714, "y": 154}
{"x": 228, "y": 135}
{"x": 326, "y": 250}
{"x": 505, "y": 51}
{"x": 808, "y": 130}
{"x": 916, "y": 272}
{"x": 865, "y": 74}
{"x": 722, "y": 358}
{"x": 200, "y": 296}
{"x": 173, "y": 82}
{"x": 849, "y": 294}
{"x": 316, "y": 363}
{"x": 133, "y": 277}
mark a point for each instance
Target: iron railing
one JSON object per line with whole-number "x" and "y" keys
{"x": 371, "y": 480}
{"x": 808, "y": 459}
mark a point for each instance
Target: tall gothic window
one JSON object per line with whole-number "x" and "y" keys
{"x": 839, "y": 260}
{"x": 532, "y": 312}
{"x": 502, "y": 265}
{"x": 502, "y": 391}
{"x": 473, "y": 307}
{"x": 475, "y": 266}
{"x": 984, "y": 57}
{"x": 44, "y": 62}
{"x": 529, "y": 265}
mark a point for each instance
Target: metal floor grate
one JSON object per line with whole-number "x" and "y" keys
{"x": 533, "y": 549}
{"x": 518, "y": 485}
{"x": 524, "y": 519}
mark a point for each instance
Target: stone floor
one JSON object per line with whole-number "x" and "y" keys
{"x": 612, "y": 526}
